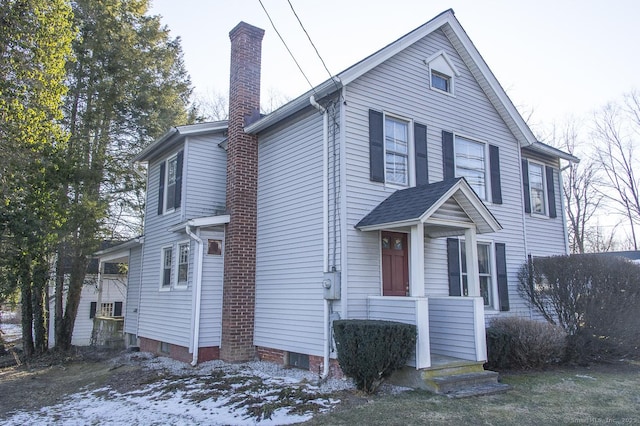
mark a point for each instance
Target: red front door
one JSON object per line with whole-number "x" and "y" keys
{"x": 395, "y": 264}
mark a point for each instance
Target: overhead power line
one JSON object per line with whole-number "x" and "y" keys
{"x": 285, "y": 45}
{"x": 313, "y": 45}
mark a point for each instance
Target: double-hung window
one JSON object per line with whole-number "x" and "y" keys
{"x": 396, "y": 151}
{"x": 167, "y": 261}
{"x": 536, "y": 188}
{"x": 183, "y": 264}
{"x": 471, "y": 163}
{"x": 170, "y": 184}
{"x": 484, "y": 268}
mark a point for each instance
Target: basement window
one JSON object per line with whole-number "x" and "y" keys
{"x": 164, "y": 347}
{"x": 298, "y": 360}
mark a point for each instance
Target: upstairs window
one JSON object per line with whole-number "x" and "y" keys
{"x": 396, "y": 151}
{"x": 471, "y": 164}
{"x": 539, "y": 184}
{"x": 536, "y": 188}
{"x": 170, "y": 184}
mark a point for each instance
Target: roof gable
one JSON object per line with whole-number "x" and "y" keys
{"x": 459, "y": 40}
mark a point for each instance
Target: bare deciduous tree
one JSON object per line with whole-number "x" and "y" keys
{"x": 616, "y": 132}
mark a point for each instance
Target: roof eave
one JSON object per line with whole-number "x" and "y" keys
{"x": 296, "y": 105}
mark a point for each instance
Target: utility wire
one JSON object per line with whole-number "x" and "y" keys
{"x": 287, "y": 47}
{"x": 313, "y": 45}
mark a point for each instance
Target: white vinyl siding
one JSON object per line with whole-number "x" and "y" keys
{"x": 398, "y": 86}
{"x": 289, "y": 263}
{"x": 133, "y": 291}
{"x": 166, "y": 315}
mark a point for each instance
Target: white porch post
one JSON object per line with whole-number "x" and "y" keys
{"x": 471, "y": 252}
{"x": 416, "y": 264}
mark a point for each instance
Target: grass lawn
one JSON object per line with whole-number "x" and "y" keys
{"x": 600, "y": 394}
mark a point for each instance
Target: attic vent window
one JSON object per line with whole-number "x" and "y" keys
{"x": 440, "y": 81}
{"x": 442, "y": 72}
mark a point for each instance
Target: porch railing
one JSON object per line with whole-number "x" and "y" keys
{"x": 408, "y": 310}
{"x": 457, "y": 327}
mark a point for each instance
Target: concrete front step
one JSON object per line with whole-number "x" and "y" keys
{"x": 457, "y": 382}
{"x": 452, "y": 377}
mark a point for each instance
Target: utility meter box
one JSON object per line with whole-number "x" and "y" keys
{"x": 331, "y": 285}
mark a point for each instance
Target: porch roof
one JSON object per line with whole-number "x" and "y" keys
{"x": 420, "y": 204}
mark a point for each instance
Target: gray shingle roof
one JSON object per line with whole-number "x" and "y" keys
{"x": 407, "y": 204}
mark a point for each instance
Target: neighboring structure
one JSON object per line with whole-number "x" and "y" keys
{"x": 104, "y": 294}
{"x": 347, "y": 202}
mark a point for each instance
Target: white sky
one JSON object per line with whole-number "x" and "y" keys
{"x": 555, "y": 57}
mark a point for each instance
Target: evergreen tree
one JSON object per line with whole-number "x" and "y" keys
{"x": 35, "y": 43}
{"x": 127, "y": 86}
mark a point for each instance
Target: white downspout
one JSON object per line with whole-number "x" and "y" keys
{"x": 197, "y": 294}
{"x": 325, "y": 228}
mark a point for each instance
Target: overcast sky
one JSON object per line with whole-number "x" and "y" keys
{"x": 557, "y": 58}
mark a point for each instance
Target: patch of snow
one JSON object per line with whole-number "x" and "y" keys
{"x": 212, "y": 393}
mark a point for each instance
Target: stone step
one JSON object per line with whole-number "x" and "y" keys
{"x": 480, "y": 390}
{"x": 450, "y": 383}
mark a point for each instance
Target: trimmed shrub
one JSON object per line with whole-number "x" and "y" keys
{"x": 595, "y": 298}
{"x": 370, "y": 350}
{"x": 519, "y": 343}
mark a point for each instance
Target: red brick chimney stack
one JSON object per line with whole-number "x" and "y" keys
{"x": 238, "y": 302}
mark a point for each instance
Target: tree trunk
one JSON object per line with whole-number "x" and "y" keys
{"x": 39, "y": 306}
{"x": 59, "y": 293}
{"x": 27, "y": 312}
{"x": 76, "y": 280}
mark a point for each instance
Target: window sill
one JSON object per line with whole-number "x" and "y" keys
{"x": 453, "y": 95}
{"x": 184, "y": 286}
{"x": 540, "y": 216}
{"x": 164, "y": 288}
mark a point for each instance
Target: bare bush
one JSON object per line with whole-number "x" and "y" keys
{"x": 519, "y": 343}
{"x": 594, "y": 298}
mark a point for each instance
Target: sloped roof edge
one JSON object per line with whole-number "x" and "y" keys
{"x": 461, "y": 41}
{"x": 175, "y": 133}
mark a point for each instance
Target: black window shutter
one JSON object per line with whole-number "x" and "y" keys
{"x": 494, "y": 163}
{"x": 448, "y": 156}
{"x": 161, "y": 189}
{"x": 501, "y": 269}
{"x": 376, "y": 146}
{"x": 117, "y": 309}
{"x": 525, "y": 186}
{"x": 453, "y": 262}
{"x": 422, "y": 168}
{"x": 92, "y": 309}
{"x": 551, "y": 192}
{"x": 178, "y": 188}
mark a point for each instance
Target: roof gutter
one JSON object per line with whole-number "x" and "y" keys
{"x": 298, "y": 104}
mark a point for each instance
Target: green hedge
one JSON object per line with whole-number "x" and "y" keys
{"x": 370, "y": 350}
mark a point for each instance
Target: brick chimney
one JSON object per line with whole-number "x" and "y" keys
{"x": 238, "y": 300}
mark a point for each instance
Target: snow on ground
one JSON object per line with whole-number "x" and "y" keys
{"x": 213, "y": 393}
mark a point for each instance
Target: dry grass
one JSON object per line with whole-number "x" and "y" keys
{"x": 593, "y": 395}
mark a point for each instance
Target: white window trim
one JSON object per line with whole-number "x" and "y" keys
{"x": 493, "y": 278}
{"x": 177, "y": 284}
{"x": 411, "y": 161}
{"x": 452, "y": 77}
{"x": 165, "y": 209}
{"x": 488, "y": 196}
{"x": 162, "y": 250}
{"x": 545, "y": 195}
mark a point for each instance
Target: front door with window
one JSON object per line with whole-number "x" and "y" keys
{"x": 395, "y": 264}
